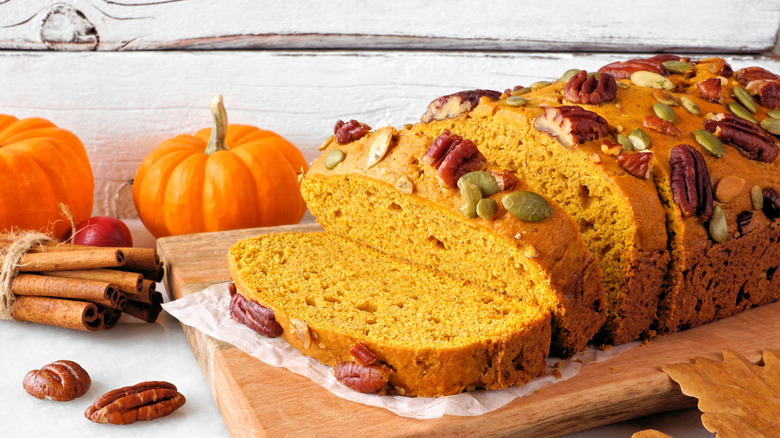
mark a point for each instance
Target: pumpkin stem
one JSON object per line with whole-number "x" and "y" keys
{"x": 218, "y": 133}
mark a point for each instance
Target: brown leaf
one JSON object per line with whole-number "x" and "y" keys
{"x": 736, "y": 397}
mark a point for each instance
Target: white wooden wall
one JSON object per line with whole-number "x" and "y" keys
{"x": 124, "y": 75}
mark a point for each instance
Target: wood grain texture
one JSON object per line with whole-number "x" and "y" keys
{"x": 259, "y": 400}
{"x": 557, "y": 25}
{"x": 122, "y": 105}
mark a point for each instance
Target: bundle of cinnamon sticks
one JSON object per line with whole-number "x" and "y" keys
{"x": 84, "y": 287}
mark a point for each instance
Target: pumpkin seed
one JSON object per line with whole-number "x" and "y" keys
{"x": 709, "y": 142}
{"x": 774, "y": 114}
{"x": 327, "y": 142}
{"x": 665, "y": 97}
{"x": 745, "y": 98}
{"x": 486, "y": 182}
{"x": 334, "y": 157}
{"x": 527, "y": 206}
{"x": 664, "y": 111}
{"x": 741, "y": 112}
{"x": 539, "y": 84}
{"x": 487, "y": 208}
{"x": 771, "y": 125}
{"x": 678, "y": 67}
{"x": 757, "y": 196}
{"x": 718, "y": 228}
{"x": 516, "y": 101}
{"x": 651, "y": 80}
{"x": 594, "y": 73}
{"x": 470, "y": 194}
{"x": 639, "y": 140}
{"x": 521, "y": 91}
{"x": 690, "y": 105}
{"x": 623, "y": 140}
{"x": 379, "y": 147}
{"x": 569, "y": 74}
{"x": 621, "y": 84}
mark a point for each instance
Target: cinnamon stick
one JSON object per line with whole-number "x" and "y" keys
{"x": 85, "y": 290}
{"x": 144, "y": 311}
{"x": 71, "y": 260}
{"x": 136, "y": 259}
{"x": 110, "y": 317}
{"x": 127, "y": 282}
{"x": 77, "y": 315}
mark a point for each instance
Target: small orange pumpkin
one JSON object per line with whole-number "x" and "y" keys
{"x": 41, "y": 167}
{"x": 221, "y": 178}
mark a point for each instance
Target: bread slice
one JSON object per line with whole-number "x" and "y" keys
{"x": 433, "y": 335}
{"x": 400, "y": 207}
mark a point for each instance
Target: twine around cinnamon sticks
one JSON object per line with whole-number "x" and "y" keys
{"x": 75, "y": 286}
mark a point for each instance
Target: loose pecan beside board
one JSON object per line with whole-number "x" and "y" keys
{"x": 63, "y": 380}
{"x": 142, "y": 402}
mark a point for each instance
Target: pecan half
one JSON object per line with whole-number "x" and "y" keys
{"x": 743, "y": 220}
{"x": 453, "y": 156}
{"x": 505, "y": 179}
{"x": 771, "y": 203}
{"x": 142, "y": 402}
{"x": 711, "y": 90}
{"x": 571, "y": 124}
{"x": 453, "y": 105}
{"x": 62, "y": 380}
{"x": 749, "y": 74}
{"x": 624, "y": 69}
{"x": 253, "y": 315}
{"x": 661, "y": 125}
{"x": 690, "y": 182}
{"x": 638, "y": 164}
{"x": 368, "y": 379}
{"x": 767, "y": 93}
{"x": 751, "y": 140}
{"x": 361, "y": 354}
{"x": 588, "y": 90}
{"x": 720, "y": 67}
{"x": 346, "y": 132}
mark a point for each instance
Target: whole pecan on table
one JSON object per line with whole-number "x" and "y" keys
{"x": 62, "y": 380}
{"x": 690, "y": 182}
{"x": 346, "y": 132}
{"x": 453, "y": 105}
{"x": 638, "y": 164}
{"x": 571, "y": 125}
{"x": 368, "y": 379}
{"x": 142, "y": 402}
{"x": 711, "y": 90}
{"x": 751, "y": 140}
{"x": 453, "y": 156}
{"x": 661, "y": 125}
{"x": 582, "y": 88}
{"x": 253, "y": 315}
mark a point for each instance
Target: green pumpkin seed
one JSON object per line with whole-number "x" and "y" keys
{"x": 379, "y": 147}
{"x": 771, "y": 125}
{"x": 625, "y": 142}
{"x": 594, "y": 74}
{"x": 741, "y": 112}
{"x": 757, "y": 196}
{"x": 569, "y": 74}
{"x": 486, "y": 182}
{"x": 334, "y": 157}
{"x": 651, "y": 80}
{"x": 690, "y": 105}
{"x": 718, "y": 228}
{"x": 527, "y": 206}
{"x": 639, "y": 140}
{"x": 516, "y": 101}
{"x": 745, "y": 98}
{"x": 622, "y": 85}
{"x": 664, "y": 111}
{"x": 327, "y": 142}
{"x": 774, "y": 114}
{"x": 665, "y": 97}
{"x": 678, "y": 67}
{"x": 708, "y": 141}
{"x": 539, "y": 84}
{"x": 487, "y": 208}
{"x": 470, "y": 194}
{"x": 521, "y": 91}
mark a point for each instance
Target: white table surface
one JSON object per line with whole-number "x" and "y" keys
{"x": 134, "y": 352}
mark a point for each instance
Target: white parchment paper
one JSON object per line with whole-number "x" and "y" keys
{"x": 208, "y": 312}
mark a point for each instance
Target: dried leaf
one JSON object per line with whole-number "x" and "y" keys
{"x": 736, "y": 397}
{"x": 650, "y": 433}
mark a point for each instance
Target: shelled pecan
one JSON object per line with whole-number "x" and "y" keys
{"x": 771, "y": 203}
{"x": 571, "y": 124}
{"x": 749, "y": 74}
{"x": 453, "y": 156}
{"x": 751, "y": 140}
{"x": 585, "y": 89}
{"x": 711, "y": 90}
{"x": 62, "y": 380}
{"x": 361, "y": 354}
{"x": 453, "y": 105}
{"x": 368, "y": 379}
{"x": 743, "y": 221}
{"x": 253, "y": 315}
{"x": 661, "y": 125}
{"x": 346, "y": 132}
{"x": 767, "y": 93}
{"x": 142, "y": 402}
{"x": 624, "y": 69}
{"x": 690, "y": 182}
{"x": 638, "y": 164}
{"x": 505, "y": 179}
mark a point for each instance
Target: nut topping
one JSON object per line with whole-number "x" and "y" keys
{"x": 571, "y": 125}
{"x": 661, "y": 125}
{"x": 747, "y": 75}
{"x": 771, "y": 207}
{"x": 729, "y": 187}
{"x": 638, "y": 164}
{"x": 453, "y": 105}
{"x": 505, "y": 179}
{"x": 368, "y": 379}
{"x": 767, "y": 93}
{"x": 589, "y": 90}
{"x": 453, "y": 156}
{"x": 711, "y": 90}
{"x": 62, "y": 380}
{"x": 624, "y": 69}
{"x": 142, "y": 402}
{"x": 750, "y": 139}
{"x": 361, "y": 354}
{"x": 743, "y": 221}
{"x": 259, "y": 318}
{"x": 346, "y": 132}
{"x": 301, "y": 330}
{"x": 404, "y": 185}
{"x": 690, "y": 182}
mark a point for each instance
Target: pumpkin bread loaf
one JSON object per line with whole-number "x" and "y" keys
{"x": 424, "y": 213}
{"x": 667, "y": 165}
{"x": 421, "y": 332}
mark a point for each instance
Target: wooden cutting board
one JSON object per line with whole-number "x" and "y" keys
{"x": 258, "y": 400}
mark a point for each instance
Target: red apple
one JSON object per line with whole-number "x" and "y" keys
{"x": 103, "y": 231}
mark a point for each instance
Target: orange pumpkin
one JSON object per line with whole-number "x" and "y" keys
{"x": 225, "y": 178}
{"x": 41, "y": 167}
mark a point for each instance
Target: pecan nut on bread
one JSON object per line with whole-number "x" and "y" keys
{"x": 435, "y": 201}
{"x": 668, "y": 166}
{"x": 386, "y": 325}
